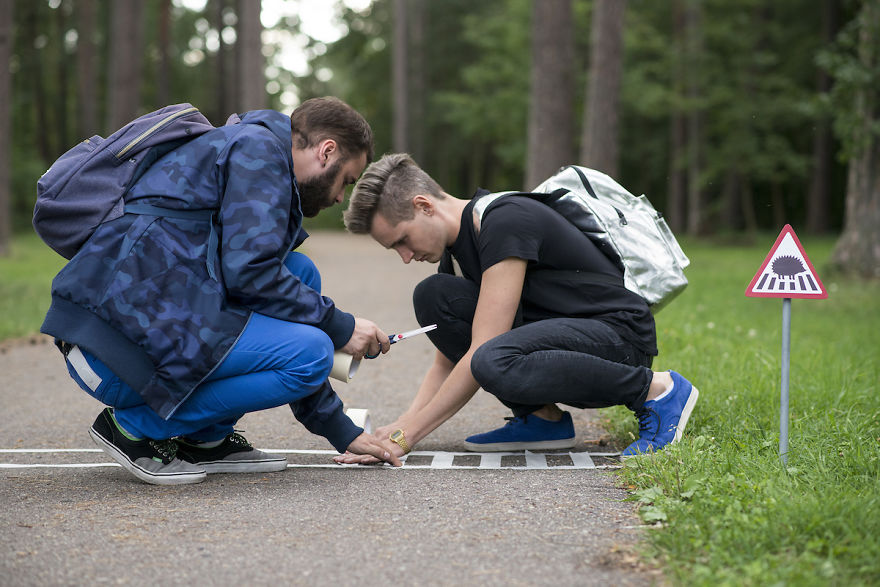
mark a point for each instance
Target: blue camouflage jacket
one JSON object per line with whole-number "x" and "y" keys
{"x": 149, "y": 297}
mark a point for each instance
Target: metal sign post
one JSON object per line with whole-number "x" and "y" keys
{"x": 786, "y": 273}
{"x": 783, "y": 403}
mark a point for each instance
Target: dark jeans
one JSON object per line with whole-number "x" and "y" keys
{"x": 579, "y": 362}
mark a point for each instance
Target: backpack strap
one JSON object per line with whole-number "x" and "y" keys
{"x": 196, "y": 215}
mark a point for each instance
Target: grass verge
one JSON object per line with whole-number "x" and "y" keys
{"x": 730, "y": 512}
{"x": 25, "y": 281}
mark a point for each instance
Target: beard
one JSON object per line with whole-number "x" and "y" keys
{"x": 315, "y": 192}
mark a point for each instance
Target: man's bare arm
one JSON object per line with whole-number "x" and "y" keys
{"x": 500, "y": 293}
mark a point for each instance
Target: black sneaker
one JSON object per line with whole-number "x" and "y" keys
{"x": 152, "y": 461}
{"x": 233, "y": 455}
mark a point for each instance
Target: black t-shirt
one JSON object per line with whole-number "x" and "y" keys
{"x": 559, "y": 258}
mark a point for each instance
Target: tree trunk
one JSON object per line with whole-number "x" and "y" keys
{"x": 819, "y": 196}
{"x": 694, "y": 45}
{"x": 5, "y": 126}
{"x": 223, "y": 72}
{"x": 399, "y": 86}
{"x": 62, "y": 67}
{"x": 551, "y": 110}
{"x": 731, "y": 201}
{"x": 126, "y": 49}
{"x": 858, "y": 248}
{"x": 251, "y": 63}
{"x": 86, "y": 73}
{"x": 417, "y": 79}
{"x": 599, "y": 141}
{"x": 163, "y": 91}
{"x": 34, "y": 68}
{"x": 676, "y": 184}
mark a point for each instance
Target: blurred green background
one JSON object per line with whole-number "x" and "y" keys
{"x": 733, "y": 116}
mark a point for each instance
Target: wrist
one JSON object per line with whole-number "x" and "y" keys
{"x": 398, "y": 437}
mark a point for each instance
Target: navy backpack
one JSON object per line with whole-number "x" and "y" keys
{"x": 86, "y": 186}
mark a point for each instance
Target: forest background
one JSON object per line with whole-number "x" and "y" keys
{"x": 734, "y": 116}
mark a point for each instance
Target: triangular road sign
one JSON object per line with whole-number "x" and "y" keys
{"x": 787, "y": 272}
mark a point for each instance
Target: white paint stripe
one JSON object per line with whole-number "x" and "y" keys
{"x": 83, "y": 369}
{"x": 582, "y": 460}
{"x": 57, "y": 466}
{"x": 442, "y": 460}
{"x": 292, "y": 466}
{"x": 314, "y": 452}
{"x": 455, "y": 468}
{"x": 490, "y": 460}
{"x": 535, "y": 460}
{"x": 47, "y": 450}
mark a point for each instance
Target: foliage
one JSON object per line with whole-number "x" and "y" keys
{"x": 756, "y": 73}
{"x": 853, "y": 76}
{"x": 731, "y": 513}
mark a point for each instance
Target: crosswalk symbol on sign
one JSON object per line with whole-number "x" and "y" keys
{"x": 786, "y": 272}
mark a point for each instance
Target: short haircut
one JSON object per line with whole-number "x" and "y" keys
{"x": 318, "y": 119}
{"x": 387, "y": 187}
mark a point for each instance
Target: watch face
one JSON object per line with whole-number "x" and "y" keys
{"x": 396, "y": 434}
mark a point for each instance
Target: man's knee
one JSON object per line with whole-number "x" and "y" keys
{"x": 304, "y": 268}
{"x": 425, "y": 296}
{"x": 311, "y": 366}
{"x": 441, "y": 296}
{"x": 488, "y": 366}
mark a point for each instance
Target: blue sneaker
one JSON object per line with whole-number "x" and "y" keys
{"x": 527, "y": 432}
{"x": 662, "y": 422}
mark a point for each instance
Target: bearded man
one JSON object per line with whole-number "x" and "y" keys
{"x": 182, "y": 326}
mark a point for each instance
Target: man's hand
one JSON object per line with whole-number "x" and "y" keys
{"x": 366, "y": 449}
{"x": 367, "y": 339}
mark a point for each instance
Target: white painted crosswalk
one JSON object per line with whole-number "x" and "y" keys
{"x": 523, "y": 460}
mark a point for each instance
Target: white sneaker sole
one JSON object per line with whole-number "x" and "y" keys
{"x": 686, "y": 414}
{"x": 513, "y": 446}
{"x": 176, "y": 478}
{"x": 267, "y": 466}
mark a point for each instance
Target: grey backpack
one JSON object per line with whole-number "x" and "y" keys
{"x": 626, "y": 228}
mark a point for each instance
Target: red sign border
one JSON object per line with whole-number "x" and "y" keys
{"x": 819, "y": 296}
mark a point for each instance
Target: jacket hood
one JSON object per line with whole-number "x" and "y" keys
{"x": 277, "y": 123}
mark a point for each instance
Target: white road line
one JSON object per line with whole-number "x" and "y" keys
{"x": 438, "y": 460}
{"x": 312, "y": 452}
{"x": 56, "y": 466}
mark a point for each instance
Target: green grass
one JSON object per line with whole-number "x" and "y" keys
{"x": 25, "y": 280}
{"x": 729, "y": 511}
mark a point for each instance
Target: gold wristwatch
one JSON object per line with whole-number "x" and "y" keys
{"x": 398, "y": 438}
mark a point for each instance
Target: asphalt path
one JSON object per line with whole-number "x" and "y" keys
{"x": 91, "y": 523}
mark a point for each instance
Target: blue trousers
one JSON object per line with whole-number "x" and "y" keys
{"x": 274, "y": 362}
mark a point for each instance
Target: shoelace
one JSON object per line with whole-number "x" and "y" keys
{"x": 514, "y": 419}
{"x": 166, "y": 448}
{"x": 645, "y": 416}
{"x": 238, "y": 439}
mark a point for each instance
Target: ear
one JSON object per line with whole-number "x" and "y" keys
{"x": 423, "y": 204}
{"x": 325, "y": 150}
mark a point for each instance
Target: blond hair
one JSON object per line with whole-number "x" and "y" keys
{"x": 387, "y": 187}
